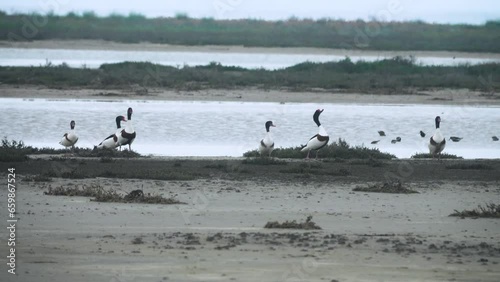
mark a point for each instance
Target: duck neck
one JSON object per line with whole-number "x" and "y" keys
{"x": 437, "y": 124}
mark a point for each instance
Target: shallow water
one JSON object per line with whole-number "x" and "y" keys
{"x": 232, "y": 128}
{"x": 95, "y": 58}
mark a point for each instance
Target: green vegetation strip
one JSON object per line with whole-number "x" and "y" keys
{"x": 323, "y": 33}
{"x": 390, "y": 76}
{"x": 336, "y": 150}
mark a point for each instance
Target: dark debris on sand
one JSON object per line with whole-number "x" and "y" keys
{"x": 307, "y": 225}
{"x": 395, "y": 187}
{"x": 490, "y": 210}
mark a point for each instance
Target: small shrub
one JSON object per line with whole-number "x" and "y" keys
{"x": 307, "y": 225}
{"x": 490, "y": 211}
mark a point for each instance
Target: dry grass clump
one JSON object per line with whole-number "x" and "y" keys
{"x": 490, "y": 210}
{"x": 307, "y": 225}
{"x": 101, "y": 195}
{"x": 395, "y": 187}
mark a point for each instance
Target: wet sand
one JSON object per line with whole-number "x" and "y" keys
{"x": 218, "y": 235}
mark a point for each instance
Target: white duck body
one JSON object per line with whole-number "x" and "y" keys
{"x": 70, "y": 138}
{"x": 266, "y": 145}
{"x": 437, "y": 142}
{"x": 111, "y": 141}
{"x": 127, "y": 135}
{"x": 319, "y": 140}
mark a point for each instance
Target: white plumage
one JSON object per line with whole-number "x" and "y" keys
{"x": 266, "y": 145}
{"x": 70, "y": 138}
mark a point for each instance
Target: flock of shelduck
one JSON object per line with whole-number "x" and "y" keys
{"x": 121, "y": 137}
{"x": 126, "y": 136}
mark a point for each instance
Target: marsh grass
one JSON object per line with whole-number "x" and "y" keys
{"x": 263, "y": 161}
{"x": 17, "y": 151}
{"x": 336, "y": 150}
{"x": 99, "y": 194}
{"x": 306, "y": 225}
{"x": 394, "y": 187}
{"x": 38, "y": 178}
{"x": 429, "y": 156}
{"x": 489, "y": 211}
{"x": 474, "y": 166}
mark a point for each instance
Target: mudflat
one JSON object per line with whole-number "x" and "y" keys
{"x": 219, "y": 233}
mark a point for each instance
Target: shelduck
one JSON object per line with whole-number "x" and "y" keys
{"x": 437, "y": 142}
{"x": 266, "y": 146}
{"x": 319, "y": 140}
{"x": 127, "y": 135}
{"x": 70, "y": 138}
{"x": 111, "y": 141}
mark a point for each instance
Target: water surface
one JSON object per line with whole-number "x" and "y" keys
{"x": 232, "y": 128}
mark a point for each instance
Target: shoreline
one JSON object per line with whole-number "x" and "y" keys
{"x": 454, "y": 97}
{"x": 156, "y": 47}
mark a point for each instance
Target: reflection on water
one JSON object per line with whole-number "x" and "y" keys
{"x": 94, "y": 58}
{"x": 231, "y": 128}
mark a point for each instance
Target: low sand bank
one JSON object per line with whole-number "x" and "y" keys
{"x": 444, "y": 96}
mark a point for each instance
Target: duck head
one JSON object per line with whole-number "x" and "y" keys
{"x": 72, "y": 124}
{"x": 269, "y": 124}
{"x": 129, "y": 113}
{"x": 316, "y": 116}
{"x": 118, "y": 120}
{"x": 438, "y": 121}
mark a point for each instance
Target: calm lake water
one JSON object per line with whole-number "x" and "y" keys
{"x": 95, "y": 58}
{"x": 232, "y": 128}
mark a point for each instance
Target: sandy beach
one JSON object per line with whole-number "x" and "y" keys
{"x": 218, "y": 234}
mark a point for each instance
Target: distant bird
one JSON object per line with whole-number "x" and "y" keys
{"x": 375, "y": 142}
{"x": 394, "y": 141}
{"x": 422, "y": 134}
{"x": 381, "y": 133}
{"x": 398, "y": 139}
{"x": 437, "y": 142}
{"x": 127, "y": 135}
{"x": 494, "y": 138}
{"x": 267, "y": 144}
{"x": 456, "y": 139}
{"x": 69, "y": 138}
{"x": 319, "y": 140}
{"x": 111, "y": 141}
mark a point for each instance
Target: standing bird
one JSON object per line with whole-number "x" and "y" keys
{"x": 494, "y": 138}
{"x": 319, "y": 140}
{"x": 437, "y": 141}
{"x": 110, "y": 142}
{"x": 422, "y": 134}
{"x": 381, "y": 133}
{"x": 69, "y": 138}
{"x": 267, "y": 144}
{"x": 127, "y": 135}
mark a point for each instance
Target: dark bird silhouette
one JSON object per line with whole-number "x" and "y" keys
{"x": 455, "y": 139}
{"x": 375, "y": 142}
{"x": 398, "y": 139}
{"x": 494, "y": 138}
{"x": 381, "y": 133}
{"x": 394, "y": 141}
{"x": 422, "y": 134}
